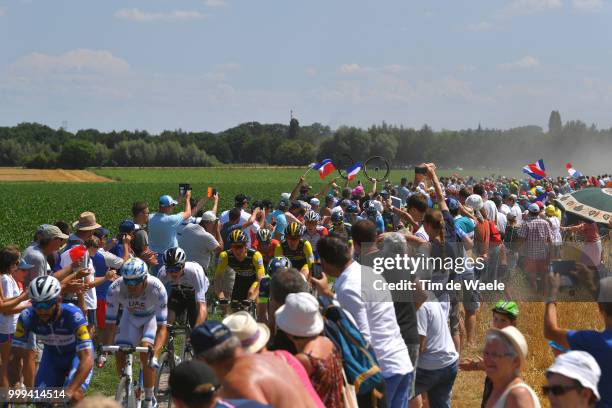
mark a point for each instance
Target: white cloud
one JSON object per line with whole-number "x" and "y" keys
{"x": 79, "y": 60}
{"x": 482, "y": 26}
{"x": 588, "y": 5}
{"x": 311, "y": 72}
{"x": 350, "y": 68}
{"x": 527, "y": 62}
{"x": 525, "y": 7}
{"x": 215, "y": 3}
{"x": 138, "y": 15}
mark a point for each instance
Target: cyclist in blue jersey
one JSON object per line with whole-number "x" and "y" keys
{"x": 67, "y": 359}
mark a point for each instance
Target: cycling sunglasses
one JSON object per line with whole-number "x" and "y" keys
{"x": 44, "y": 305}
{"x": 133, "y": 282}
{"x": 558, "y": 390}
{"x": 174, "y": 269}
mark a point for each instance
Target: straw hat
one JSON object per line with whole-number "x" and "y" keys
{"x": 517, "y": 339}
{"x": 86, "y": 222}
{"x": 253, "y": 336}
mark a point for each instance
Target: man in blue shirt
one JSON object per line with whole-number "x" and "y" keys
{"x": 162, "y": 225}
{"x": 596, "y": 343}
{"x": 279, "y": 218}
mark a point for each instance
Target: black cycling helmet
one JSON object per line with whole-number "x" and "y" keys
{"x": 175, "y": 257}
{"x": 237, "y": 237}
{"x": 277, "y": 263}
{"x": 295, "y": 229}
{"x": 264, "y": 235}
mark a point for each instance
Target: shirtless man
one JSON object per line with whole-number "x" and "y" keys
{"x": 260, "y": 377}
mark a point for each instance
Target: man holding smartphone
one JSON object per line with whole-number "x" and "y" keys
{"x": 163, "y": 224}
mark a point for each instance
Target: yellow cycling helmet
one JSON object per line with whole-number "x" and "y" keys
{"x": 295, "y": 229}
{"x": 237, "y": 237}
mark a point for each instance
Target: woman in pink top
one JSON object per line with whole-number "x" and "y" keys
{"x": 591, "y": 253}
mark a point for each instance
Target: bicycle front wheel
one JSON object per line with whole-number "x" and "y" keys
{"x": 125, "y": 394}
{"x": 162, "y": 377}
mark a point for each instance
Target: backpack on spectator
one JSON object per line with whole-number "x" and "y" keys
{"x": 358, "y": 359}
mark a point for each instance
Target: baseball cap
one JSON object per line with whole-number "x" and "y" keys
{"x": 384, "y": 194}
{"x": 315, "y": 201}
{"x": 533, "y": 208}
{"x": 51, "y": 232}
{"x": 209, "y": 216}
{"x": 127, "y": 226}
{"x": 452, "y": 204}
{"x": 101, "y": 232}
{"x": 208, "y": 335}
{"x": 23, "y": 265}
{"x": 579, "y": 366}
{"x": 474, "y": 202}
{"x": 167, "y": 201}
{"x": 193, "y": 379}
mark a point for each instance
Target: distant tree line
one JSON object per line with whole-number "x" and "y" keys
{"x": 39, "y": 146}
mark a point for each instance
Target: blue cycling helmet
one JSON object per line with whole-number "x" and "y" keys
{"x": 337, "y": 216}
{"x": 133, "y": 268}
{"x": 278, "y": 262}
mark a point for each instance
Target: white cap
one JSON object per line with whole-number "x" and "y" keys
{"x": 315, "y": 201}
{"x": 377, "y": 204}
{"x": 579, "y": 366}
{"x": 300, "y": 315}
{"x": 285, "y": 196}
{"x": 209, "y": 216}
{"x": 474, "y": 202}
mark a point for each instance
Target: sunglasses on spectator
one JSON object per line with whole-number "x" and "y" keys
{"x": 44, "y": 305}
{"x": 558, "y": 390}
{"x": 133, "y": 282}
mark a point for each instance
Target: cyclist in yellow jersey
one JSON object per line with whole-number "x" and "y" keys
{"x": 248, "y": 265}
{"x": 296, "y": 249}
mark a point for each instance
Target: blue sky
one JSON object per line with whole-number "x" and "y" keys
{"x": 212, "y": 64}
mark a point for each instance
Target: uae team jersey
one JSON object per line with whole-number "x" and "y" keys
{"x": 152, "y": 302}
{"x": 193, "y": 282}
{"x": 66, "y": 335}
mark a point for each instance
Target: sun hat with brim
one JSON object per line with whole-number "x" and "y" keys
{"x": 86, "y": 222}
{"x": 517, "y": 339}
{"x": 579, "y": 366}
{"x": 300, "y": 315}
{"x": 253, "y": 336}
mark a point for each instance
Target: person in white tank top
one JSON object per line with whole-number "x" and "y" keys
{"x": 504, "y": 356}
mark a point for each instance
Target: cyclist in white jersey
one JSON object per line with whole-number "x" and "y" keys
{"x": 143, "y": 300}
{"x": 314, "y": 232}
{"x": 186, "y": 284}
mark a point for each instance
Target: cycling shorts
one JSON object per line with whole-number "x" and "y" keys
{"x": 178, "y": 303}
{"x": 58, "y": 370}
{"x": 129, "y": 334}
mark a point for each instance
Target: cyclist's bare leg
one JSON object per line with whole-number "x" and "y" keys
{"x": 148, "y": 374}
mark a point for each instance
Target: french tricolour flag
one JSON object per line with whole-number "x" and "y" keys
{"x": 535, "y": 170}
{"x": 353, "y": 171}
{"x": 324, "y": 168}
{"x": 572, "y": 171}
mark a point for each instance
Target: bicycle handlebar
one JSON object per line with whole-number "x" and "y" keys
{"x": 126, "y": 349}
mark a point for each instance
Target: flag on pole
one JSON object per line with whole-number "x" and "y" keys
{"x": 572, "y": 171}
{"x": 353, "y": 171}
{"x": 325, "y": 167}
{"x": 535, "y": 170}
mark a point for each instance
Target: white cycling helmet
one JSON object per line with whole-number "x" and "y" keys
{"x": 133, "y": 268}
{"x": 44, "y": 289}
